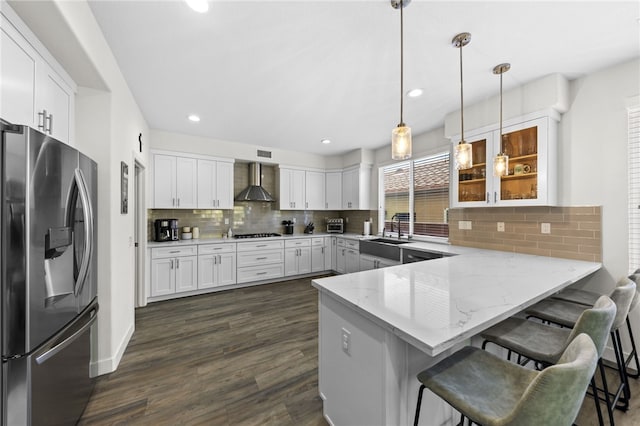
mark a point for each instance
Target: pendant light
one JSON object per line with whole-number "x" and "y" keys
{"x": 462, "y": 152}
{"x": 501, "y": 162}
{"x": 401, "y": 135}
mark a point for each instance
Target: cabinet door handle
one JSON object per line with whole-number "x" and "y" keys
{"x": 177, "y": 263}
{"x": 178, "y": 201}
{"x": 219, "y": 260}
{"x": 50, "y": 128}
{"x": 173, "y": 202}
{"x": 306, "y": 204}
{"x": 171, "y": 264}
{"x": 42, "y": 115}
{"x": 326, "y": 205}
{"x": 488, "y": 198}
{"x": 495, "y": 197}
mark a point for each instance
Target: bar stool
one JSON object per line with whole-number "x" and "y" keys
{"x": 588, "y": 298}
{"x": 566, "y": 314}
{"x": 494, "y": 392}
{"x": 545, "y": 344}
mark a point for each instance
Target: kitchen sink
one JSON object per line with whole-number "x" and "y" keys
{"x": 382, "y": 247}
{"x": 389, "y": 241}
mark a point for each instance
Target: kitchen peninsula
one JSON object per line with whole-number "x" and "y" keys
{"x": 379, "y": 328}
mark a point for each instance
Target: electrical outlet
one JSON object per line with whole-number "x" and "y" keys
{"x": 346, "y": 341}
{"x": 464, "y": 224}
{"x": 293, "y": 220}
{"x": 500, "y": 226}
{"x": 545, "y": 228}
{"x": 226, "y": 220}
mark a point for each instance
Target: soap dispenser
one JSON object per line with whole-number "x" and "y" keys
{"x": 230, "y": 233}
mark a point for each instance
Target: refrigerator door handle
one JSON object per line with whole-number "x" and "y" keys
{"x": 52, "y": 351}
{"x": 88, "y": 230}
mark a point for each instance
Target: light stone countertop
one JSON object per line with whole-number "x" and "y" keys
{"x": 198, "y": 241}
{"x": 435, "y": 304}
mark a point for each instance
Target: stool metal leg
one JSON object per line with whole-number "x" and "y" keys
{"x": 596, "y": 398}
{"x": 415, "y": 420}
{"x": 622, "y": 395}
{"x": 634, "y": 353}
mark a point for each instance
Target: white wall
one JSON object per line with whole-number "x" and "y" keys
{"x": 593, "y": 158}
{"x": 107, "y": 127}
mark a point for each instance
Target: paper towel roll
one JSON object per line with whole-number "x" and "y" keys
{"x": 367, "y": 228}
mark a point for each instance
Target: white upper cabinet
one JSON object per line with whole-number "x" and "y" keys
{"x": 174, "y": 182}
{"x": 531, "y": 144}
{"x": 333, "y": 191}
{"x": 215, "y": 184}
{"x": 314, "y": 190}
{"x": 355, "y": 188}
{"x": 32, "y": 92}
{"x": 292, "y": 189}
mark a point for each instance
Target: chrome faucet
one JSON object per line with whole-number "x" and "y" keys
{"x": 399, "y": 233}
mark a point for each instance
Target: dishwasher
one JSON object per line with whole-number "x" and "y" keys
{"x": 411, "y": 255}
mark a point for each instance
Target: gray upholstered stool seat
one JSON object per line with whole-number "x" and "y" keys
{"x": 545, "y": 344}
{"x": 588, "y": 298}
{"x": 567, "y": 313}
{"x": 495, "y": 392}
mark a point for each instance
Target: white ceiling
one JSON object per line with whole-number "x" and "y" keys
{"x": 286, "y": 74}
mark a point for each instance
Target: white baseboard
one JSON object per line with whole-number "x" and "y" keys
{"x": 109, "y": 365}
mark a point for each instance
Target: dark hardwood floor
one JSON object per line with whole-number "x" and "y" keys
{"x": 246, "y": 356}
{"x": 241, "y": 357}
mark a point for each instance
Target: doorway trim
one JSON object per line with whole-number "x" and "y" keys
{"x": 140, "y": 232}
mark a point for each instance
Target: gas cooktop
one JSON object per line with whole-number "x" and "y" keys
{"x": 257, "y": 235}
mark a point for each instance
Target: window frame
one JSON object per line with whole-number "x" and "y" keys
{"x": 445, "y": 151}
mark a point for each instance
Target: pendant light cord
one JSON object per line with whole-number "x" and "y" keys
{"x": 401, "y": 61}
{"x": 461, "y": 100}
{"x": 501, "y": 144}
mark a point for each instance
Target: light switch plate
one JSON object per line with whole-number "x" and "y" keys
{"x": 346, "y": 341}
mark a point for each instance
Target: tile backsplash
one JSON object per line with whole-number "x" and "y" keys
{"x": 251, "y": 217}
{"x": 575, "y": 232}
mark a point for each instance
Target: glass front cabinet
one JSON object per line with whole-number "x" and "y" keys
{"x": 532, "y": 170}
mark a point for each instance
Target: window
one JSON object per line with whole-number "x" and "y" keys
{"x": 422, "y": 187}
{"x": 634, "y": 188}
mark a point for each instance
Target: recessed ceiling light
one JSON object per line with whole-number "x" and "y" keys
{"x": 414, "y": 93}
{"x": 194, "y": 118}
{"x": 325, "y": 141}
{"x": 200, "y": 6}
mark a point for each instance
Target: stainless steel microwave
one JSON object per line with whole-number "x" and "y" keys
{"x": 335, "y": 226}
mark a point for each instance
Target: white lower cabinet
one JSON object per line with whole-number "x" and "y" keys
{"x": 347, "y": 256}
{"x": 368, "y": 262}
{"x": 321, "y": 254}
{"x": 297, "y": 256}
{"x": 173, "y": 270}
{"x": 259, "y": 261}
{"x": 216, "y": 265}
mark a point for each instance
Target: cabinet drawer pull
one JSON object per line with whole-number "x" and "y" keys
{"x": 261, "y": 258}
{"x": 261, "y": 273}
{"x": 261, "y": 245}
{"x": 174, "y": 251}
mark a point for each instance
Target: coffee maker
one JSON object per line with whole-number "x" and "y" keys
{"x": 166, "y": 230}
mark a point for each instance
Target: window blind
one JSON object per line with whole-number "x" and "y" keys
{"x": 634, "y": 188}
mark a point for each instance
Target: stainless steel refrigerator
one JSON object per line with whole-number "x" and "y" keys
{"x": 48, "y": 270}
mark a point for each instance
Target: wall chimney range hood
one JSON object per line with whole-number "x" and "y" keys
{"x": 255, "y": 191}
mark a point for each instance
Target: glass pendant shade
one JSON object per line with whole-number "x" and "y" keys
{"x": 401, "y": 142}
{"x": 462, "y": 155}
{"x": 501, "y": 165}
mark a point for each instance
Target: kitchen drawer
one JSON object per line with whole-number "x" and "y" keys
{"x": 257, "y": 273}
{"x": 352, "y": 244}
{"x": 341, "y": 242}
{"x": 260, "y": 245}
{"x": 318, "y": 241}
{"x": 301, "y": 242}
{"x": 175, "y": 251}
{"x": 255, "y": 258}
{"x": 217, "y": 248}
